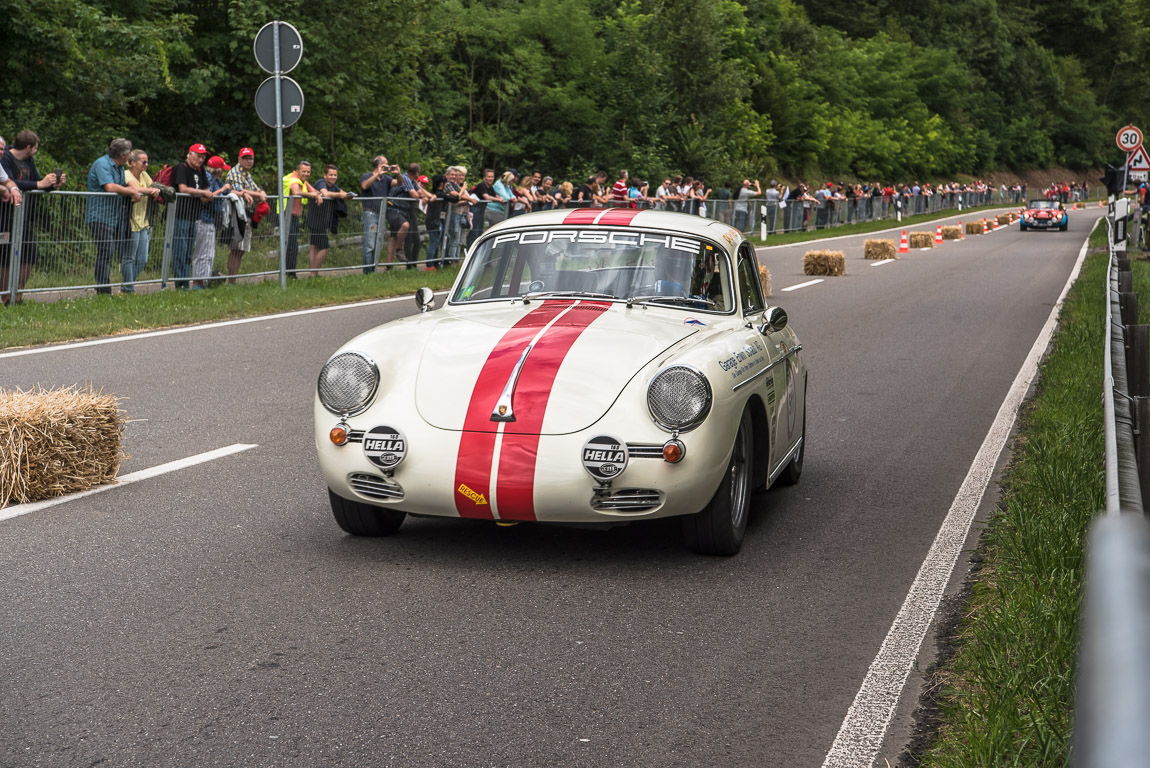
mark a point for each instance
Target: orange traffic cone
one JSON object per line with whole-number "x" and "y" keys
{"x": 903, "y": 243}
{"x": 961, "y": 230}
{"x": 995, "y": 227}
{"x": 1100, "y": 205}
{"x": 938, "y": 235}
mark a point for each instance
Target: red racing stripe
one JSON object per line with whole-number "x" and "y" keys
{"x": 477, "y": 443}
{"x": 582, "y": 216}
{"x": 618, "y": 216}
{"x": 515, "y": 488}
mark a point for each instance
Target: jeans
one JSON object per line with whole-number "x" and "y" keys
{"x": 454, "y": 237}
{"x": 291, "y": 254}
{"x": 183, "y": 240}
{"x": 108, "y": 243}
{"x": 741, "y": 218}
{"x": 133, "y": 261}
{"x": 434, "y": 240}
{"x": 372, "y": 237}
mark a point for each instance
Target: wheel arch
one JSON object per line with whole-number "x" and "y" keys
{"x": 760, "y": 441}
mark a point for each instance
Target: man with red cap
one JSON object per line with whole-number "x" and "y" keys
{"x": 241, "y": 181}
{"x": 194, "y": 187}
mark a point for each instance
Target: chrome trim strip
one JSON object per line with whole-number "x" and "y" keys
{"x": 503, "y": 410}
{"x": 786, "y": 460}
{"x": 787, "y": 356}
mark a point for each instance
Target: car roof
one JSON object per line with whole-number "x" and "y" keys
{"x": 591, "y": 218}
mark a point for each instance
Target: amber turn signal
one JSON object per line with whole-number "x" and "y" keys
{"x": 338, "y": 434}
{"x": 673, "y": 451}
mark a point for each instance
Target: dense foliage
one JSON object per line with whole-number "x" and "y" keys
{"x": 872, "y": 89}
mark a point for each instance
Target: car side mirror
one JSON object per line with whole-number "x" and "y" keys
{"x": 424, "y": 298}
{"x": 774, "y": 319}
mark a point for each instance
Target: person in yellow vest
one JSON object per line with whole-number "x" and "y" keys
{"x": 296, "y": 186}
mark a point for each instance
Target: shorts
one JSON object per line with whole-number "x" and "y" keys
{"x": 319, "y": 239}
{"x": 243, "y": 243}
{"x": 27, "y": 253}
{"x": 395, "y": 219}
{"x": 204, "y": 250}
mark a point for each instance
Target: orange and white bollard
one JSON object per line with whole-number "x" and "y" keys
{"x": 903, "y": 243}
{"x": 938, "y": 235}
{"x": 995, "y": 227}
{"x": 961, "y": 230}
{"x": 985, "y": 227}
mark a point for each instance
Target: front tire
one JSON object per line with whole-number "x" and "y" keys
{"x": 361, "y": 519}
{"x": 719, "y": 528}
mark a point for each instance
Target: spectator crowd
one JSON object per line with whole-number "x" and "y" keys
{"x": 220, "y": 203}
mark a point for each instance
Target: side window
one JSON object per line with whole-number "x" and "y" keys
{"x": 750, "y": 289}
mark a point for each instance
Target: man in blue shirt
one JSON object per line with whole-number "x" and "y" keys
{"x": 107, "y": 214}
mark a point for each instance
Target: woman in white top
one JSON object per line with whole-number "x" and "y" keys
{"x": 132, "y": 263}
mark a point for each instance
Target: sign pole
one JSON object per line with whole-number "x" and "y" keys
{"x": 284, "y": 215}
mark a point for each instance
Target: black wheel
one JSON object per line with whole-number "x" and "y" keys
{"x": 1063, "y": 228}
{"x": 1021, "y": 227}
{"x": 361, "y": 519}
{"x": 719, "y": 528}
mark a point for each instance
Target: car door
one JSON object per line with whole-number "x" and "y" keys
{"x": 778, "y": 387}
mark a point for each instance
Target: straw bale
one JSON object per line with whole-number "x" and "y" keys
{"x": 974, "y": 227}
{"x": 1004, "y": 220}
{"x": 921, "y": 239}
{"x": 829, "y": 263}
{"x": 879, "y": 250}
{"x": 59, "y": 441}
{"x": 765, "y": 279}
{"x": 953, "y": 232}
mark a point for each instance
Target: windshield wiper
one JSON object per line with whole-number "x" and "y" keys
{"x": 527, "y": 297}
{"x": 670, "y": 299}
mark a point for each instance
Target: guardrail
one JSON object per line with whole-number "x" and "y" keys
{"x": 1112, "y": 707}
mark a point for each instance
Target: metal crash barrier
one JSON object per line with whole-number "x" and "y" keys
{"x": 1112, "y": 706}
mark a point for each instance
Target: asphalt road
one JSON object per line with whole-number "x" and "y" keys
{"x": 217, "y": 616}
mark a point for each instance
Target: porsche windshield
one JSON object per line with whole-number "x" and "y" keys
{"x": 624, "y": 264}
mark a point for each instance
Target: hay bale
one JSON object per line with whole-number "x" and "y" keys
{"x": 765, "y": 279}
{"x": 974, "y": 227}
{"x": 879, "y": 250}
{"x": 828, "y": 263}
{"x": 1004, "y": 220}
{"x": 921, "y": 239}
{"x": 953, "y": 232}
{"x": 54, "y": 442}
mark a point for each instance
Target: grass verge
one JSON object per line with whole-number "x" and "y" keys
{"x": 32, "y": 322}
{"x": 1004, "y": 696}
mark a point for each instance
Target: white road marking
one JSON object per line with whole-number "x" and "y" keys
{"x": 861, "y": 735}
{"x": 803, "y": 285}
{"x": 883, "y": 261}
{"x": 134, "y": 477}
{"x": 205, "y": 326}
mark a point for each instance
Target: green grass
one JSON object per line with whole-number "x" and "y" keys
{"x": 32, "y": 322}
{"x": 1006, "y": 695}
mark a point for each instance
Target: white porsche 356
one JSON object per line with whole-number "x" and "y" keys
{"x": 589, "y": 366}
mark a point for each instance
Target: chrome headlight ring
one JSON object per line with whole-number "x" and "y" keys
{"x": 679, "y": 398}
{"x": 348, "y": 383}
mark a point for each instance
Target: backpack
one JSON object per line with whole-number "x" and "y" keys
{"x": 165, "y": 175}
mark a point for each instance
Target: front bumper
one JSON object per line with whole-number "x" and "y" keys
{"x": 556, "y": 489}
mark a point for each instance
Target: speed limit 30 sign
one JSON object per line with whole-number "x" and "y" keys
{"x": 1129, "y": 139}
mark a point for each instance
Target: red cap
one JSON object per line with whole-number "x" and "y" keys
{"x": 215, "y": 161}
{"x": 199, "y": 149}
{"x": 263, "y": 209}
{"x": 247, "y": 152}
{"x": 423, "y": 180}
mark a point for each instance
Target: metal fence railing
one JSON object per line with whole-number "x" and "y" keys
{"x": 1112, "y": 707}
{"x": 54, "y": 246}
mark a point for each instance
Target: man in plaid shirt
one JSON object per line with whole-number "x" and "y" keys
{"x": 242, "y": 183}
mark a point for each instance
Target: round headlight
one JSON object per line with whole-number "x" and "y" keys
{"x": 679, "y": 398}
{"x": 348, "y": 382}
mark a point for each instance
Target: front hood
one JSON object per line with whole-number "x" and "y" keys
{"x": 582, "y": 355}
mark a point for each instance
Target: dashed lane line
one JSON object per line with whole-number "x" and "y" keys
{"x": 802, "y": 285}
{"x": 134, "y": 477}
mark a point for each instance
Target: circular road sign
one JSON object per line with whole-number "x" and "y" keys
{"x": 1129, "y": 139}
{"x": 291, "y": 47}
{"x": 291, "y": 99}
